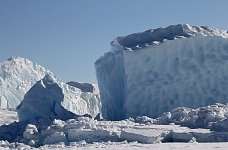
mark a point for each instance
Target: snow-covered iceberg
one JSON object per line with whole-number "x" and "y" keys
{"x": 51, "y": 99}
{"x": 17, "y": 76}
{"x": 154, "y": 71}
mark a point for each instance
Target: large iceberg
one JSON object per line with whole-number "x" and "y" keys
{"x": 154, "y": 71}
{"x": 17, "y": 76}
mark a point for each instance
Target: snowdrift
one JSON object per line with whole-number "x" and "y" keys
{"x": 154, "y": 71}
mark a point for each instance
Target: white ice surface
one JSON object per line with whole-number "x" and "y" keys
{"x": 123, "y": 146}
{"x": 139, "y": 146}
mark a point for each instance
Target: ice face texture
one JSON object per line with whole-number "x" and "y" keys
{"x": 152, "y": 72}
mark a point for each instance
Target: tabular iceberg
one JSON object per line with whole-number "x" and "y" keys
{"x": 154, "y": 71}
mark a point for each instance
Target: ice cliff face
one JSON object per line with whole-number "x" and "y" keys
{"x": 154, "y": 71}
{"x": 17, "y": 76}
{"x": 51, "y": 99}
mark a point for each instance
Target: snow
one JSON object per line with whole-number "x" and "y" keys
{"x": 149, "y": 80}
{"x": 120, "y": 146}
{"x": 58, "y": 100}
{"x": 17, "y": 76}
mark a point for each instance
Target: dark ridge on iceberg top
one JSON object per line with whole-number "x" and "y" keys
{"x": 155, "y": 36}
{"x": 84, "y": 87}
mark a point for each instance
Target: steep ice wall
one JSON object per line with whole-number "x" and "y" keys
{"x": 17, "y": 76}
{"x": 164, "y": 68}
{"x": 111, "y": 81}
{"x": 50, "y": 99}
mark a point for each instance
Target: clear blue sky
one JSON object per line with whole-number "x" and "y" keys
{"x": 67, "y": 36}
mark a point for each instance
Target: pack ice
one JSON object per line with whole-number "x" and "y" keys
{"x": 154, "y": 71}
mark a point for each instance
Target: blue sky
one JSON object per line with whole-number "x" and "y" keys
{"x": 67, "y": 36}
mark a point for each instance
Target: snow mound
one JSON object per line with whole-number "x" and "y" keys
{"x": 50, "y": 99}
{"x": 189, "y": 68}
{"x": 17, "y": 76}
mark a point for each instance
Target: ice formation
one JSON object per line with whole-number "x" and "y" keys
{"x": 17, "y": 76}
{"x": 51, "y": 99}
{"x": 154, "y": 71}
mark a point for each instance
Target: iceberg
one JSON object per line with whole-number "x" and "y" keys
{"x": 17, "y": 76}
{"x": 148, "y": 73}
{"x": 52, "y": 99}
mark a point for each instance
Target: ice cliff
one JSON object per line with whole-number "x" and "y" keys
{"x": 154, "y": 71}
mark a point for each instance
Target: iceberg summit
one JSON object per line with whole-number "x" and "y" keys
{"x": 152, "y": 72}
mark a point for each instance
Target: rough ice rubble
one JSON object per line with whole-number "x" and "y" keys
{"x": 17, "y": 76}
{"x": 50, "y": 99}
{"x": 212, "y": 117}
{"x": 152, "y": 72}
{"x": 72, "y": 132}
{"x": 83, "y": 130}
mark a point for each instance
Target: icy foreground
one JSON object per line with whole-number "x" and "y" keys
{"x": 17, "y": 76}
{"x": 85, "y": 131}
{"x": 154, "y": 71}
{"x": 50, "y": 99}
